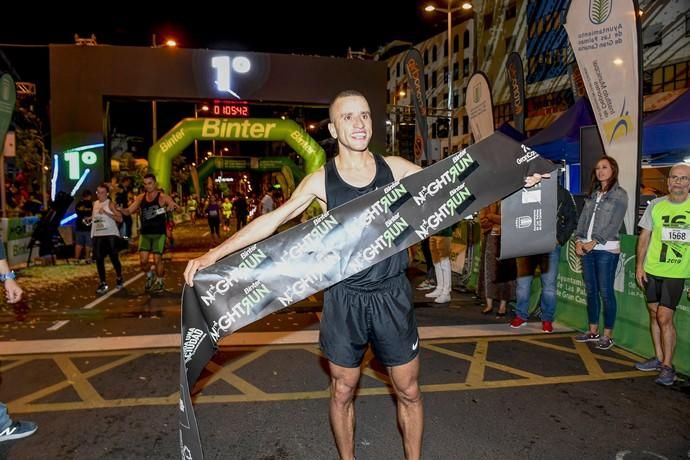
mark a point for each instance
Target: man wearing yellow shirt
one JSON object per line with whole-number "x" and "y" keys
{"x": 663, "y": 263}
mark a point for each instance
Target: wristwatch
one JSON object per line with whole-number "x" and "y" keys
{"x": 8, "y": 276}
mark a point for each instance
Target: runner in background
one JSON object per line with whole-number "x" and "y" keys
{"x": 241, "y": 210}
{"x": 212, "y": 212}
{"x": 227, "y": 213}
{"x": 153, "y": 206}
{"x": 82, "y": 227}
{"x": 192, "y": 206}
{"x": 106, "y": 236}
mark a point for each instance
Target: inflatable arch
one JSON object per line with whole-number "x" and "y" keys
{"x": 233, "y": 163}
{"x": 183, "y": 134}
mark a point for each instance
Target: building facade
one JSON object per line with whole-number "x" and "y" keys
{"x": 482, "y": 40}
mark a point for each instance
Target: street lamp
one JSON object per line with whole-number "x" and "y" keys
{"x": 449, "y": 11}
{"x": 204, "y": 108}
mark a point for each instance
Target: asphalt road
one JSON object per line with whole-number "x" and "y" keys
{"x": 488, "y": 392}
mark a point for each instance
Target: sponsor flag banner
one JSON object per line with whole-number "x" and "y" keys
{"x": 286, "y": 268}
{"x": 516, "y": 84}
{"x": 416, "y": 84}
{"x": 604, "y": 37}
{"x": 479, "y": 106}
{"x": 528, "y": 220}
{"x": 8, "y": 96}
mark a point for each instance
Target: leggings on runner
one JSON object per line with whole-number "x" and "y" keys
{"x": 106, "y": 246}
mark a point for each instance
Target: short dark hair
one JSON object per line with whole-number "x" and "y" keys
{"x": 340, "y": 95}
{"x": 150, "y": 176}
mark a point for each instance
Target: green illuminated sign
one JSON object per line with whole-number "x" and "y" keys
{"x": 78, "y": 161}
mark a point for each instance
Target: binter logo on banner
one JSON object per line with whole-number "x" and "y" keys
{"x": 604, "y": 37}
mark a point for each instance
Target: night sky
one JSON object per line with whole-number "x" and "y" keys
{"x": 303, "y": 27}
{"x": 289, "y": 27}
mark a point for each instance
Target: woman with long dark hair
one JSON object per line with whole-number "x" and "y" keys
{"x": 598, "y": 243}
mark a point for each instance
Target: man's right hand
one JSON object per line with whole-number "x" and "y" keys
{"x": 197, "y": 264}
{"x": 641, "y": 277}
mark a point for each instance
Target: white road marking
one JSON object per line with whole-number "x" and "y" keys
{"x": 57, "y": 325}
{"x": 112, "y": 292}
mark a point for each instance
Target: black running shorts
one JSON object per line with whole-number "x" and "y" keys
{"x": 664, "y": 291}
{"x": 353, "y": 318}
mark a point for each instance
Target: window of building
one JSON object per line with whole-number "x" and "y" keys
{"x": 464, "y": 94}
{"x": 456, "y": 44}
{"x": 502, "y": 113}
{"x": 426, "y": 57}
{"x": 445, "y": 74}
{"x": 511, "y": 11}
{"x": 433, "y": 102}
{"x": 434, "y": 55}
{"x": 550, "y": 103}
{"x": 397, "y": 70}
{"x": 455, "y": 126}
{"x": 388, "y": 73}
{"x": 651, "y": 35}
{"x": 426, "y": 80}
{"x": 456, "y": 100}
{"x": 434, "y": 79}
{"x": 488, "y": 20}
{"x": 456, "y": 71}
{"x": 465, "y": 67}
{"x": 670, "y": 77}
{"x": 445, "y": 48}
{"x": 466, "y": 39}
{"x": 465, "y": 124}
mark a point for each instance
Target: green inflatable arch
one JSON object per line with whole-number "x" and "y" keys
{"x": 232, "y": 163}
{"x": 183, "y": 134}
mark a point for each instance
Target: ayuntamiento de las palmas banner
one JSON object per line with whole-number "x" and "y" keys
{"x": 286, "y": 268}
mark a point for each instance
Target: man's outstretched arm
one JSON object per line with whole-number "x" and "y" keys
{"x": 263, "y": 226}
{"x": 134, "y": 207}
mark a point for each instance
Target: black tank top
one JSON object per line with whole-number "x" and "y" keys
{"x": 340, "y": 192}
{"x": 153, "y": 217}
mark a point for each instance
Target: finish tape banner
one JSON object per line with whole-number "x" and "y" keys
{"x": 286, "y": 268}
